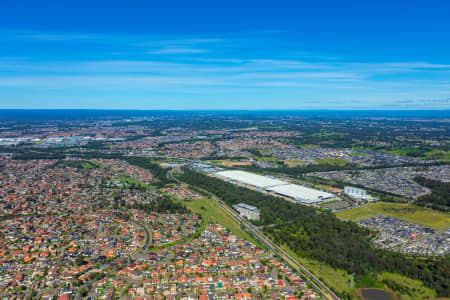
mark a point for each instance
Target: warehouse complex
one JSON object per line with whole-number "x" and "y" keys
{"x": 301, "y": 193}
{"x": 258, "y": 181}
{"x": 296, "y": 192}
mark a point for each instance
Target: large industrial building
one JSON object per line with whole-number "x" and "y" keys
{"x": 301, "y": 193}
{"x": 258, "y": 181}
{"x": 296, "y": 192}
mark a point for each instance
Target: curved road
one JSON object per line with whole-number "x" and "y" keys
{"x": 318, "y": 285}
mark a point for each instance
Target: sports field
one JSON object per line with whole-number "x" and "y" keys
{"x": 406, "y": 212}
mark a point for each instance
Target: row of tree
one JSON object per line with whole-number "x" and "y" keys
{"x": 146, "y": 163}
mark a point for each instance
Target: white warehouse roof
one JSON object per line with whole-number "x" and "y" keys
{"x": 250, "y": 178}
{"x": 246, "y": 206}
{"x": 301, "y": 193}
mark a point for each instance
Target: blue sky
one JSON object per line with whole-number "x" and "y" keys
{"x": 225, "y": 54}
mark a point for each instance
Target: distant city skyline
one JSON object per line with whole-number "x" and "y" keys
{"x": 232, "y": 55}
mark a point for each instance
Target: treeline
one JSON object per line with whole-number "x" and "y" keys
{"x": 146, "y": 163}
{"x": 320, "y": 235}
{"x": 163, "y": 205}
{"x": 77, "y": 164}
{"x": 439, "y": 198}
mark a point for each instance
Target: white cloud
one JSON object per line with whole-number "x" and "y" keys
{"x": 178, "y": 50}
{"x": 209, "y": 65}
{"x": 417, "y": 65}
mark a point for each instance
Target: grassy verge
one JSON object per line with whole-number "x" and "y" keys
{"x": 402, "y": 211}
{"x": 212, "y": 213}
{"x": 336, "y": 279}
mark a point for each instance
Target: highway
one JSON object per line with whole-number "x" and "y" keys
{"x": 318, "y": 286}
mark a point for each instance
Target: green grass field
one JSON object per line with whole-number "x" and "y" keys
{"x": 212, "y": 213}
{"x": 332, "y": 161}
{"x": 133, "y": 182}
{"x": 407, "y": 287}
{"x": 438, "y": 154}
{"x": 309, "y": 146}
{"x": 420, "y": 153}
{"x": 334, "y": 278}
{"x": 294, "y": 162}
{"x": 403, "y": 151}
{"x": 406, "y": 212}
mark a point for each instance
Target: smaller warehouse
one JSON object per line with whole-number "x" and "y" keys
{"x": 356, "y": 193}
{"x": 247, "y": 211}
